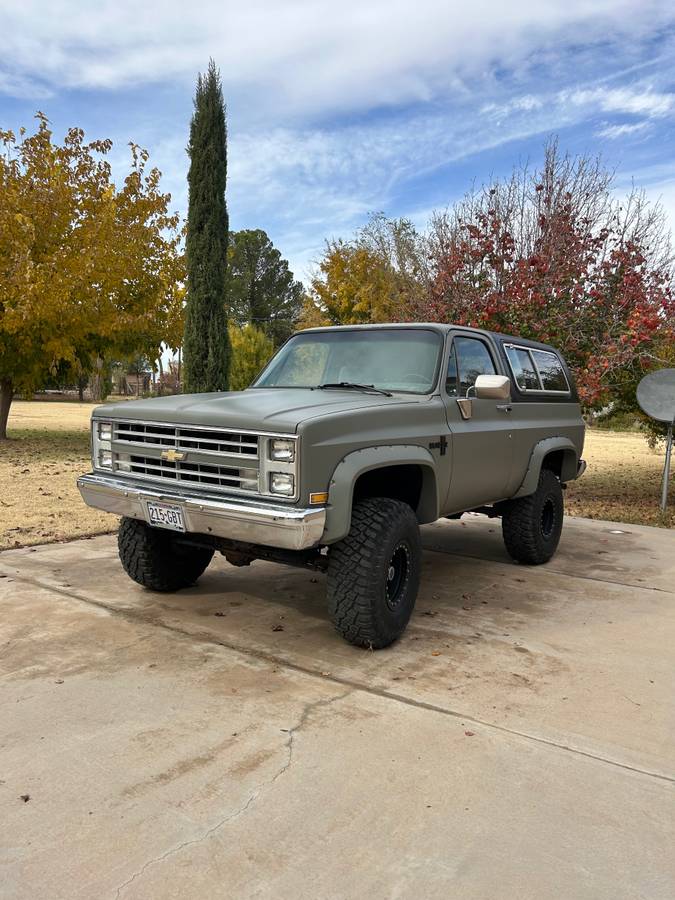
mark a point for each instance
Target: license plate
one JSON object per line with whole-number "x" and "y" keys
{"x": 163, "y": 515}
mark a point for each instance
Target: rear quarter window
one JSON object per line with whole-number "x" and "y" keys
{"x": 550, "y": 371}
{"x": 539, "y": 371}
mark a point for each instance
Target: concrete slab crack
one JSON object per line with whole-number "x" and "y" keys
{"x": 289, "y": 746}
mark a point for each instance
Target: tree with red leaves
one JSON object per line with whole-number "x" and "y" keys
{"x": 551, "y": 255}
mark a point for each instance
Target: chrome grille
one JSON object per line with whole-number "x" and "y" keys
{"x": 212, "y": 458}
{"x": 205, "y": 474}
{"x": 206, "y": 440}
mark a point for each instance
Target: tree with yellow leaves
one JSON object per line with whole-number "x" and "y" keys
{"x": 88, "y": 271}
{"x": 375, "y": 277}
{"x": 251, "y": 350}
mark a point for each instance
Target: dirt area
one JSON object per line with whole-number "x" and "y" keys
{"x": 39, "y": 502}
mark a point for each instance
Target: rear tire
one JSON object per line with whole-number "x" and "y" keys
{"x": 532, "y": 525}
{"x": 154, "y": 559}
{"x": 374, "y": 573}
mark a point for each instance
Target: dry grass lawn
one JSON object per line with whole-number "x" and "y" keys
{"x": 622, "y": 482}
{"x": 40, "y": 503}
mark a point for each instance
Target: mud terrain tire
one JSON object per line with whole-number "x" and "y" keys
{"x": 374, "y": 573}
{"x": 154, "y": 559}
{"x": 531, "y": 525}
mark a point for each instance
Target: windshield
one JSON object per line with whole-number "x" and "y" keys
{"x": 390, "y": 359}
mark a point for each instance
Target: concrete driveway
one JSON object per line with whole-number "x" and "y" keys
{"x": 224, "y": 742}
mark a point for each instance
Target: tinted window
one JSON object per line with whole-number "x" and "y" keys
{"x": 551, "y": 371}
{"x": 469, "y": 358}
{"x": 523, "y": 369}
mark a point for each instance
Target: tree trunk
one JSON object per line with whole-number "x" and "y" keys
{"x": 6, "y": 394}
{"x": 96, "y": 381}
{"x": 161, "y": 375}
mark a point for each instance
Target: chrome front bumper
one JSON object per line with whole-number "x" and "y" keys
{"x": 240, "y": 520}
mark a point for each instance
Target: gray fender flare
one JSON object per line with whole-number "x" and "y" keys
{"x": 540, "y": 451}
{"x": 347, "y": 471}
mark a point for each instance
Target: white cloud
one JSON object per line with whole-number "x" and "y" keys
{"x": 305, "y": 56}
{"x": 613, "y": 132}
{"x": 644, "y": 101}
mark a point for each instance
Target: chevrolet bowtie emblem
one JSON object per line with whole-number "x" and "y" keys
{"x": 172, "y": 455}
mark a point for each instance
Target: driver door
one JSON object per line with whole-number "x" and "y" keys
{"x": 482, "y": 445}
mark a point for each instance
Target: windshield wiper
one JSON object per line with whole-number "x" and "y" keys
{"x": 353, "y": 386}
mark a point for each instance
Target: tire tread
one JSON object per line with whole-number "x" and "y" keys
{"x": 352, "y": 564}
{"x": 150, "y": 559}
{"x": 519, "y": 524}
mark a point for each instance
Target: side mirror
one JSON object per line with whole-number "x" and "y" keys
{"x": 493, "y": 387}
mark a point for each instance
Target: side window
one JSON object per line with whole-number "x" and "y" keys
{"x": 551, "y": 371}
{"x": 451, "y": 377}
{"x": 536, "y": 370}
{"x": 523, "y": 368}
{"x": 473, "y": 359}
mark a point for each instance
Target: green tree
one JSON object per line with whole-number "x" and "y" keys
{"x": 205, "y": 344}
{"x": 251, "y": 350}
{"x": 261, "y": 288}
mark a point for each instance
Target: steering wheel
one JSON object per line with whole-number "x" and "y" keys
{"x": 415, "y": 376}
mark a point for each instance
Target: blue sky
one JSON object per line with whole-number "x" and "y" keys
{"x": 338, "y": 109}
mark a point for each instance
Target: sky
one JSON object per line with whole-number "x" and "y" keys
{"x": 340, "y": 109}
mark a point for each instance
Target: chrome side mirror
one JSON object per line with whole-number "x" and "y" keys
{"x": 493, "y": 387}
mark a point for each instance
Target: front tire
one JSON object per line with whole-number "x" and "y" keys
{"x": 532, "y": 525}
{"x": 152, "y": 557}
{"x": 374, "y": 573}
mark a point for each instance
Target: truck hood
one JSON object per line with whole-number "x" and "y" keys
{"x": 257, "y": 409}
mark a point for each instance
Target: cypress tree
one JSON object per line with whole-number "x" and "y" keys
{"x": 206, "y": 349}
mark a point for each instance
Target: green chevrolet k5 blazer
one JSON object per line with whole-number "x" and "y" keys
{"x": 349, "y": 440}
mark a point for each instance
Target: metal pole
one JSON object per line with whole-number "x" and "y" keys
{"x": 666, "y": 467}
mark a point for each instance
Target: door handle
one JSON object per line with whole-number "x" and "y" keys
{"x": 504, "y": 407}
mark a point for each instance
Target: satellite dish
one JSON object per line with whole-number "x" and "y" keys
{"x": 656, "y": 396}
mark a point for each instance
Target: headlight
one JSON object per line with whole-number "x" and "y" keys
{"x": 105, "y": 459}
{"x": 282, "y": 450}
{"x": 101, "y": 448}
{"x": 280, "y": 483}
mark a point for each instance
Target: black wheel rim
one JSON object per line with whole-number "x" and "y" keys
{"x": 397, "y": 574}
{"x": 548, "y": 517}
